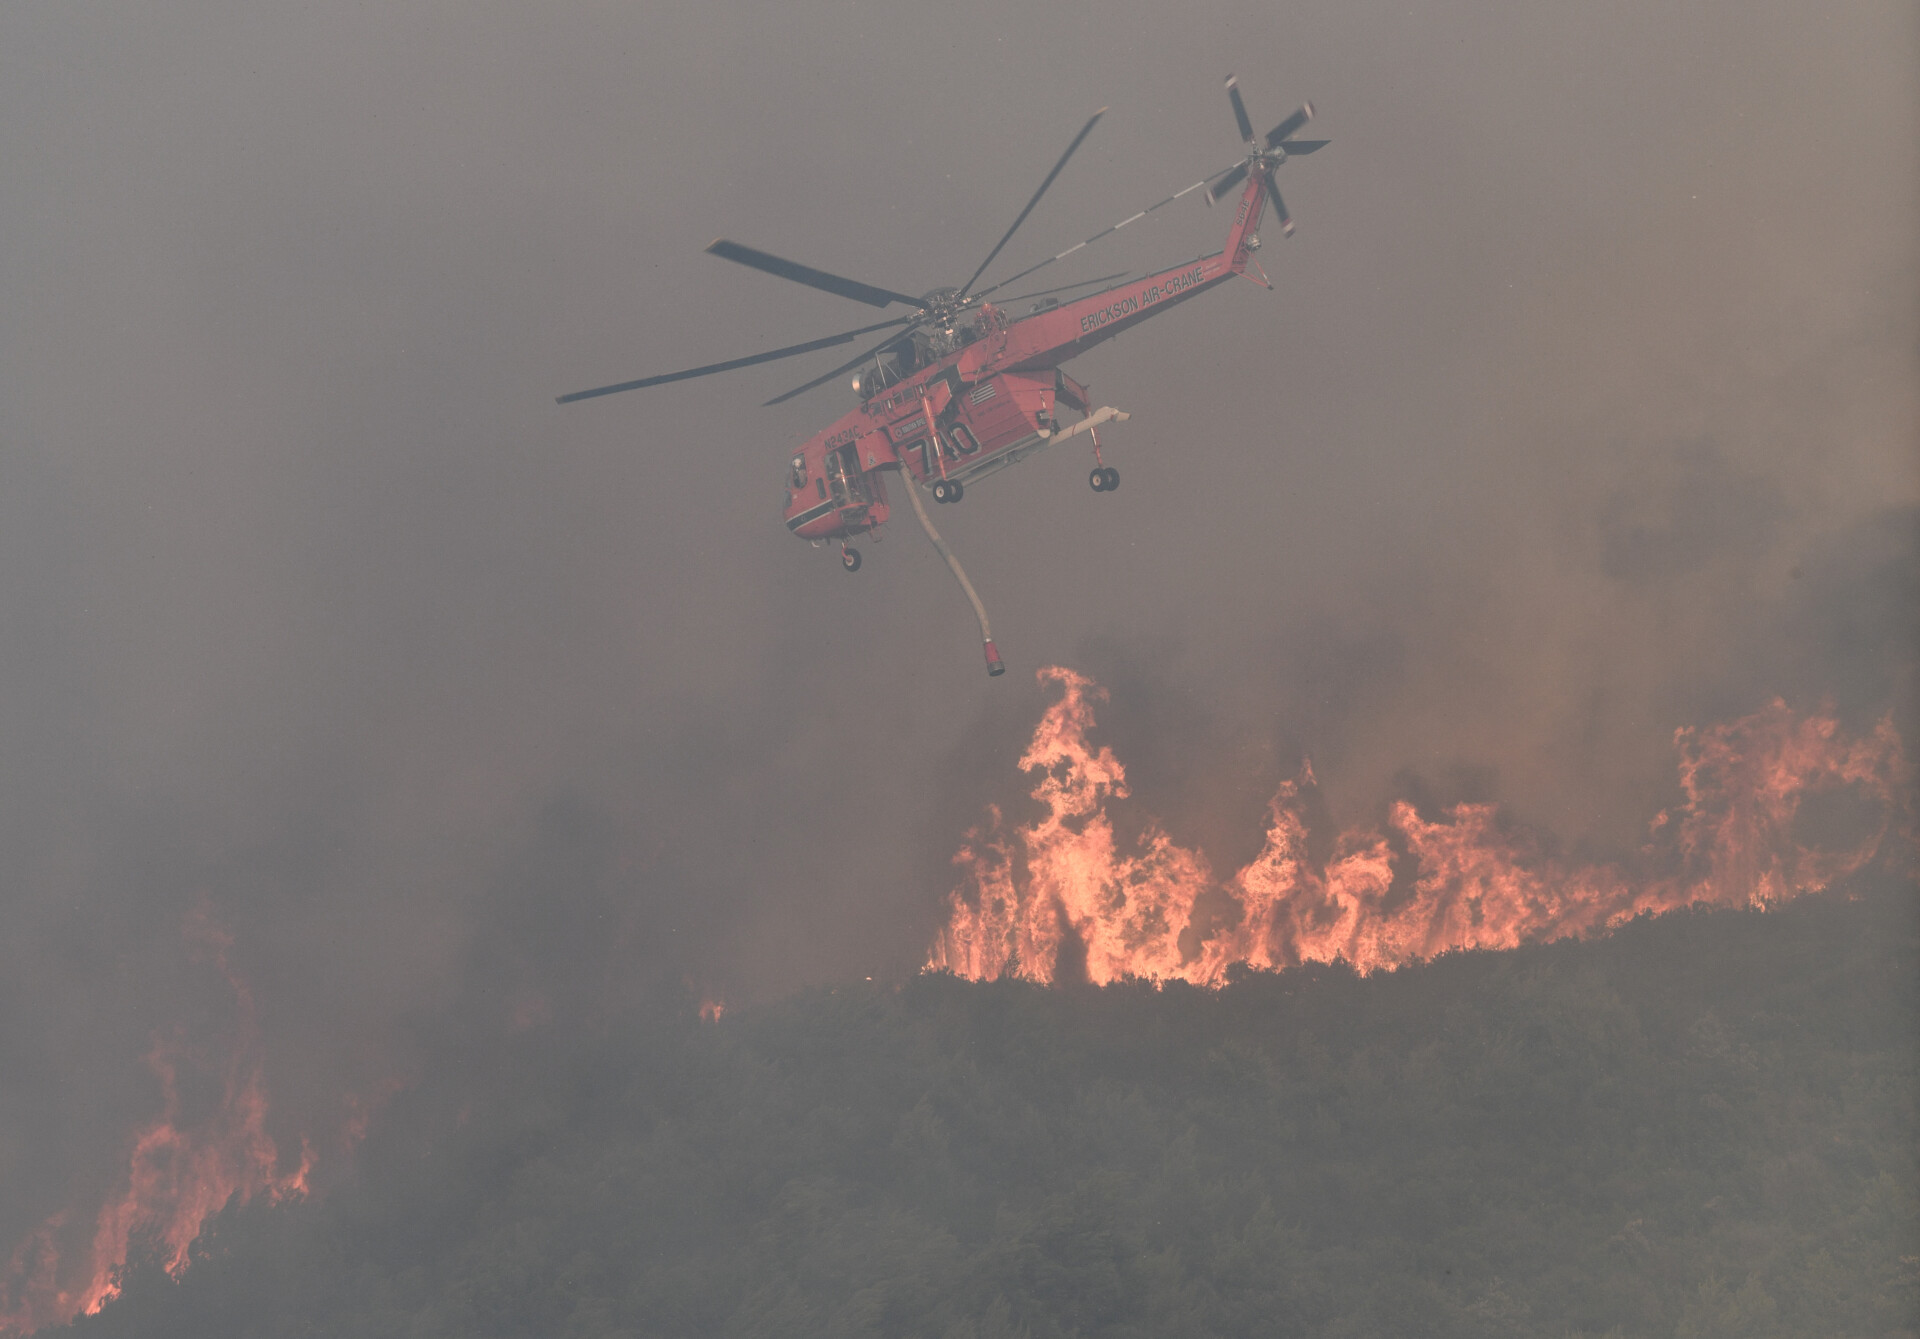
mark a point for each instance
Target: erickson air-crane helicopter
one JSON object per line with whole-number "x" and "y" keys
{"x": 961, "y": 388}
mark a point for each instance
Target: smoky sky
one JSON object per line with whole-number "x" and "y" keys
{"x": 1583, "y": 408}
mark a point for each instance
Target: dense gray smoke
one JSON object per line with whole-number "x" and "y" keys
{"x": 1583, "y": 409}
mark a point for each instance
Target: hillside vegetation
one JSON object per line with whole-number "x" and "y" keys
{"x": 1701, "y": 1125}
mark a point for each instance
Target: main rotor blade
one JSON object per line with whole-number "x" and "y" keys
{"x": 806, "y": 274}
{"x": 1240, "y": 116}
{"x": 730, "y": 364}
{"x": 1279, "y": 207}
{"x": 1085, "y": 130}
{"x": 1291, "y": 124}
{"x": 843, "y": 369}
{"x": 1084, "y": 283}
{"x": 1183, "y": 191}
{"x": 1226, "y": 183}
{"x": 1296, "y": 147}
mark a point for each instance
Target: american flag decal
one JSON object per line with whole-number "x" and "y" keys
{"x": 983, "y": 392}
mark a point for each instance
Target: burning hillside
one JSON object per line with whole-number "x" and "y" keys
{"x": 182, "y": 1168}
{"x": 1701, "y": 1124}
{"x": 1067, "y": 881}
{"x": 1761, "y": 799}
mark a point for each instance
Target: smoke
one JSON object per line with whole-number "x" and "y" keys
{"x": 1583, "y": 410}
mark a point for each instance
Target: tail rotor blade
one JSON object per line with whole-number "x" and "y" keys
{"x": 1240, "y": 116}
{"x": 1226, "y": 183}
{"x": 1288, "y": 126}
{"x": 1279, "y": 207}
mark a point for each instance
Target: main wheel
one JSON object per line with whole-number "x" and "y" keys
{"x": 955, "y": 490}
{"x": 850, "y": 559}
{"x": 1113, "y": 478}
{"x": 1099, "y": 481}
{"x": 942, "y": 491}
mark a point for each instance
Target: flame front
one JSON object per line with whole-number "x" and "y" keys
{"x": 179, "y": 1175}
{"x": 1381, "y": 899}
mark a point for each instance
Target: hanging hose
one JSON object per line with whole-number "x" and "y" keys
{"x": 919, "y": 509}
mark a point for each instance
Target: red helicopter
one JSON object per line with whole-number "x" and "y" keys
{"x": 961, "y": 388}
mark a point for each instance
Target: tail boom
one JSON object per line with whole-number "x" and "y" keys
{"x": 1049, "y": 338}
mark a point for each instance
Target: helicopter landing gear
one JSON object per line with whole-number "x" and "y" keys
{"x": 948, "y": 490}
{"x": 850, "y": 558}
{"x": 1105, "y": 478}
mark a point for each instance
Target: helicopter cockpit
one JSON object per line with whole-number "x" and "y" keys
{"x": 916, "y": 350}
{"x": 884, "y": 371}
{"x": 938, "y": 341}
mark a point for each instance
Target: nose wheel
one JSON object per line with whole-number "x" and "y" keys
{"x": 850, "y": 558}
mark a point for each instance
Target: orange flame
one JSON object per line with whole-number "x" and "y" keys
{"x": 178, "y": 1176}
{"x": 1384, "y": 899}
{"x": 712, "y": 1010}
